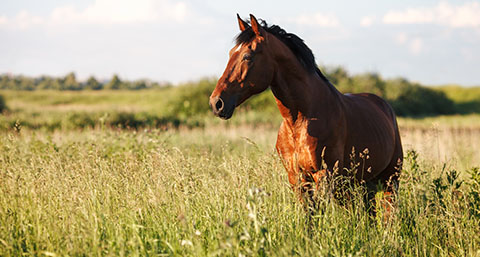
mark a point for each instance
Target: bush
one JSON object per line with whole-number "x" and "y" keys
{"x": 264, "y": 102}
{"x": 414, "y": 100}
{"x": 467, "y": 99}
{"x": 3, "y": 104}
{"x": 363, "y": 83}
{"x": 408, "y": 99}
{"x": 335, "y": 74}
{"x": 192, "y": 98}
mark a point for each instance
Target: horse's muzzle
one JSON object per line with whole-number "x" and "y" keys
{"x": 221, "y": 108}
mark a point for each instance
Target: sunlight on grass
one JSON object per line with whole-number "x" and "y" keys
{"x": 121, "y": 174}
{"x": 219, "y": 191}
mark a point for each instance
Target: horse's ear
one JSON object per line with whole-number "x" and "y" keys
{"x": 241, "y": 23}
{"x": 256, "y": 27}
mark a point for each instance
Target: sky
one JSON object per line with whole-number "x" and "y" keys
{"x": 431, "y": 42}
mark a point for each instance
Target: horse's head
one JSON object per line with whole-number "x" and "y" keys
{"x": 249, "y": 70}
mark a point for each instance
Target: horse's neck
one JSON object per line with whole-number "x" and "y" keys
{"x": 304, "y": 96}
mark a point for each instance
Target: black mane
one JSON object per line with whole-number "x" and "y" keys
{"x": 292, "y": 41}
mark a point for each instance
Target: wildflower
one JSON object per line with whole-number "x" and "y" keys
{"x": 186, "y": 242}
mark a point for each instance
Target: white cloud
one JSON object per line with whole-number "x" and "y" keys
{"x": 111, "y": 12}
{"x": 124, "y": 11}
{"x": 317, "y": 19}
{"x": 367, "y": 21}
{"x": 22, "y": 20}
{"x": 414, "y": 45}
{"x": 466, "y": 15}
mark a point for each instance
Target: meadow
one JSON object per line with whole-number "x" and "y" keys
{"x": 128, "y": 173}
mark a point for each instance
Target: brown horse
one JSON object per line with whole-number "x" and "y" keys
{"x": 319, "y": 122}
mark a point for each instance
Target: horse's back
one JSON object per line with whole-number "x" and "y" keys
{"x": 369, "y": 108}
{"x": 371, "y": 124}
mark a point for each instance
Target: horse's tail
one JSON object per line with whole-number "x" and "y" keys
{"x": 397, "y": 159}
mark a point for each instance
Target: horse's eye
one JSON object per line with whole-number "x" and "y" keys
{"x": 247, "y": 57}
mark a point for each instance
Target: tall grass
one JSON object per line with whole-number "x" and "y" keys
{"x": 217, "y": 191}
{"x": 103, "y": 174}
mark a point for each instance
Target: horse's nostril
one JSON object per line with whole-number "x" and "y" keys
{"x": 219, "y": 104}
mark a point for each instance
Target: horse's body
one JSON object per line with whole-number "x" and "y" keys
{"x": 319, "y": 123}
{"x": 355, "y": 123}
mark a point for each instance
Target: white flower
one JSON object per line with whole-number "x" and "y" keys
{"x": 186, "y": 242}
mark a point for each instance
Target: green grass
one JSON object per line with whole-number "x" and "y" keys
{"x": 128, "y": 173}
{"x": 88, "y": 100}
{"x": 216, "y": 191}
{"x": 53, "y": 110}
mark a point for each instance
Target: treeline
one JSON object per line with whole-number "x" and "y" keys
{"x": 70, "y": 82}
{"x": 407, "y": 98}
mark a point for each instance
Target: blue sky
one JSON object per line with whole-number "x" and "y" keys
{"x": 432, "y": 42}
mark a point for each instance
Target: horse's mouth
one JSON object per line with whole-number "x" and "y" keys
{"x": 224, "y": 107}
{"x": 227, "y": 114}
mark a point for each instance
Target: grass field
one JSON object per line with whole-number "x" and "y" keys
{"x": 216, "y": 190}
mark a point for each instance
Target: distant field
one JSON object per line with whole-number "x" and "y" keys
{"x": 67, "y": 109}
{"x": 442, "y": 138}
{"x": 130, "y": 182}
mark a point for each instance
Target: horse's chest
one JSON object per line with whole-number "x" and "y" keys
{"x": 306, "y": 152}
{"x": 299, "y": 150}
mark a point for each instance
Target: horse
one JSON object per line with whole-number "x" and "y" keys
{"x": 321, "y": 127}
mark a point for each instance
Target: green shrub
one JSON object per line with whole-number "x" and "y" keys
{"x": 363, "y": 83}
{"x": 79, "y": 120}
{"x": 264, "y": 102}
{"x": 3, "y": 104}
{"x": 414, "y": 100}
{"x": 141, "y": 120}
{"x": 192, "y": 98}
{"x": 335, "y": 74}
{"x": 408, "y": 99}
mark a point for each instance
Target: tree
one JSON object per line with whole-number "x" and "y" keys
{"x": 369, "y": 82}
{"x": 24, "y": 83}
{"x": 114, "y": 84}
{"x": 3, "y": 105}
{"x": 416, "y": 100}
{"x": 4, "y": 82}
{"x": 50, "y": 83}
{"x": 363, "y": 83}
{"x": 70, "y": 82}
{"x": 336, "y": 74}
{"x": 93, "y": 84}
{"x": 139, "y": 84}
